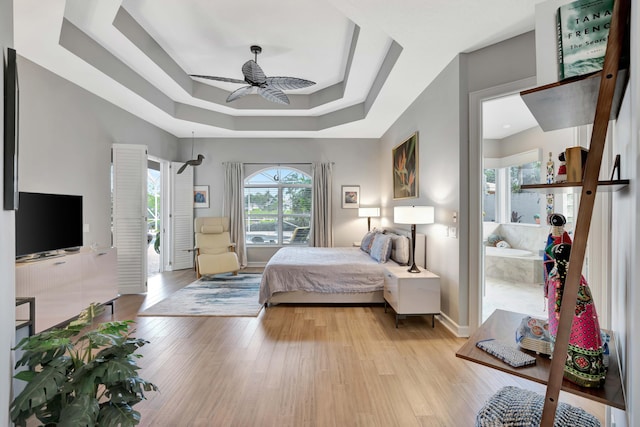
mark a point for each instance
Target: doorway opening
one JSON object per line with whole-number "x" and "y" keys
{"x": 513, "y": 231}
{"x": 154, "y": 221}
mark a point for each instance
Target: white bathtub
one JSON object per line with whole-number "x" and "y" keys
{"x": 506, "y": 252}
{"x": 514, "y": 265}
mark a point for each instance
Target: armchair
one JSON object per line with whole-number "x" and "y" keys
{"x": 214, "y": 251}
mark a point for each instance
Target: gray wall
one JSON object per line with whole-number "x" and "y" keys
{"x": 355, "y": 163}
{"x": 66, "y": 135}
{"x": 435, "y": 115}
{"x": 530, "y": 139}
{"x": 625, "y": 237}
{"x": 7, "y": 243}
{"x": 440, "y": 114}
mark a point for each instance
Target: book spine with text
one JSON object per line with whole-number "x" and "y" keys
{"x": 583, "y": 30}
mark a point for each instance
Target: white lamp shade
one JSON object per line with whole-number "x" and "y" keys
{"x": 413, "y": 214}
{"x": 369, "y": 212}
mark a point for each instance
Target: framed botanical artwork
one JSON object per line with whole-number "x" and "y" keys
{"x": 201, "y": 196}
{"x": 405, "y": 168}
{"x": 350, "y": 196}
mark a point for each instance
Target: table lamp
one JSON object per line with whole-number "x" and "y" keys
{"x": 413, "y": 215}
{"x": 368, "y": 213}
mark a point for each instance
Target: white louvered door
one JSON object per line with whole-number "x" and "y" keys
{"x": 181, "y": 220}
{"x": 129, "y": 216}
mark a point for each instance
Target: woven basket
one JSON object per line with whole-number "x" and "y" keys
{"x": 515, "y": 407}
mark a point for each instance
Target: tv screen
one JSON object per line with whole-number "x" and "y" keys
{"x": 48, "y": 222}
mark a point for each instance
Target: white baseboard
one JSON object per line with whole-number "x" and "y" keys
{"x": 457, "y": 330}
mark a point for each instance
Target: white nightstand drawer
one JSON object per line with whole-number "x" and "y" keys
{"x": 411, "y": 293}
{"x": 391, "y": 289}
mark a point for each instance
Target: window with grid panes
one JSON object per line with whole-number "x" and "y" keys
{"x": 277, "y": 207}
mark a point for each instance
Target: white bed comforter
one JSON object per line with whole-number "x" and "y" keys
{"x": 324, "y": 270}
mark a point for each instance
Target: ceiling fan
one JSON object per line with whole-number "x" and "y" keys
{"x": 193, "y": 162}
{"x": 270, "y": 88}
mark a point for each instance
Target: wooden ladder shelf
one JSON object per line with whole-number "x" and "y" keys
{"x": 589, "y": 188}
{"x": 612, "y": 81}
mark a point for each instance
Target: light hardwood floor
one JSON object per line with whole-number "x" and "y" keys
{"x": 307, "y": 366}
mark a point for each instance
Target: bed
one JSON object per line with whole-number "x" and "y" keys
{"x": 332, "y": 275}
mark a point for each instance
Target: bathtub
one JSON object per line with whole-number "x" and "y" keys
{"x": 513, "y": 265}
{"x": 507, "y": 252}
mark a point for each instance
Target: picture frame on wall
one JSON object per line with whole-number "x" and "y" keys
{"x": 350, "y": 196}
{"x": 11, "y": 118}
{"x": 405, "y": 168}
{"x": 201, "y": 196}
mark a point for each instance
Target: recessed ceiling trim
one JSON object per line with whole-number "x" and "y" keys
{"x": 84, "y": 47}
{"x": 129, "y": 27}
{"x": 383, "y": 73}
{"x": 136, "y": 34}
{"x": 77, "y": 42}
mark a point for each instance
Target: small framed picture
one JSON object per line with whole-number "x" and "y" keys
{"x": 350, "y": 196}
{"x": 201, "y": 196}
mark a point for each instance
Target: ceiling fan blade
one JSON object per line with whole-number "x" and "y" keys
{"x": 253, "y": 74}
{"x": 273, "y": 94}
{"x": 220, "y": 79}
{"x": 182, "y": 168}
{"x": 239, "y": 93}
{"x": 286, "y": 83}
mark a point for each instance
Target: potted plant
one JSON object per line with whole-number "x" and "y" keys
{"x": 79, "y": 376}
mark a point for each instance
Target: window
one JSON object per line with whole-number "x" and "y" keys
{"x": 525, "y": 207}
{"x": 277, "y": 207}
{"x": 503, "y": 201}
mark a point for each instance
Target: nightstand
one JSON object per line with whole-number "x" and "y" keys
{"x": 411, "y": 294}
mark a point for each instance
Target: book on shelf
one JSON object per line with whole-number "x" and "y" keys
{"x": 582, "y": 32}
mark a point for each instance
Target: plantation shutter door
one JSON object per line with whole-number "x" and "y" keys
{"x": 181, "y": 218}
{"x": 129, "y": 216}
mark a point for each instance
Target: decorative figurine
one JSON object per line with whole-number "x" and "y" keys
{"x": 556, "y": 236}
{"x": 550, "y": 180}
{"x": 585, "y": 361}
{"x": 550, "y": 169}
{"x": 562, "y": 169}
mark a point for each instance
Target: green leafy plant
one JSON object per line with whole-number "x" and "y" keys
{"x": 79, "y": 376}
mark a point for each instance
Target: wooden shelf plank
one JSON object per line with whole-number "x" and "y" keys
{"x": 568, "y": 187}
{"x": 571, "y": 102}
{"x": 503, "y": 324}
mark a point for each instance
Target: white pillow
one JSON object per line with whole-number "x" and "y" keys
{"x": 400, "y": 252}
{"x": 381, "y": 248}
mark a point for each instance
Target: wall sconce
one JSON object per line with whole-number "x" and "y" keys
{"x": 413, "y": 215}
{"x": 368, "y": 213}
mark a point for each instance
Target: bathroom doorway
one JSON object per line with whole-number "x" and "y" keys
{"x": 513, "y": 221}
{"x": 484, "y": 296}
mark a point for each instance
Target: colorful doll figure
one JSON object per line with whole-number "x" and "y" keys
{"x": 556, "y": 236}
{"x": 585, "y": 362}
{"x": 562, "y": 169}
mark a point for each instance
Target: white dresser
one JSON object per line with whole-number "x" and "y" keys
{"x": 411, "y": 294}
{"x": 66, "y": 285}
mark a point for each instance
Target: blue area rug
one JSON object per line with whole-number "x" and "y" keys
{"x": 220, "y": 295}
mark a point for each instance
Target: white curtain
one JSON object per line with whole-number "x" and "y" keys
{"x": 322, "y": 222}
{"x": 234, "y": 207}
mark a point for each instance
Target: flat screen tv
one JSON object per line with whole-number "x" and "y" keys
{"x": 47, "y": 223}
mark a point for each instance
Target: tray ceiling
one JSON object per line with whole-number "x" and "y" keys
{"x": 369, "y": 58}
